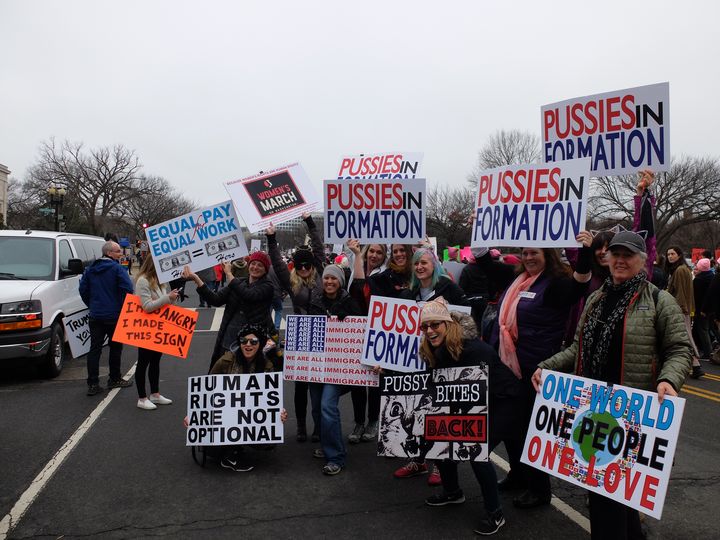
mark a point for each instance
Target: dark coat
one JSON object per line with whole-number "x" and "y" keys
{"x": 245, "y": 303}
{"x": 103, "y": 287}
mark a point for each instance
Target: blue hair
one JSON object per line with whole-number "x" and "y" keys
{"x": 438, "y": 270}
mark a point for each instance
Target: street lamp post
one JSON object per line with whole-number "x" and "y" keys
{"x": 56, "y": 194}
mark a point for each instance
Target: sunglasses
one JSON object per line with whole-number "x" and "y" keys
{"x": 434, "y": 325}
{"x": 304, "y": 266}
{"x": 252, "y": 341}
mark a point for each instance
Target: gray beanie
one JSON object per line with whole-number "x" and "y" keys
{"x": 335, "y": 271}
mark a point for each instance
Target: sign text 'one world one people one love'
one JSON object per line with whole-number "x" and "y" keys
{"x": 616, "y": 441}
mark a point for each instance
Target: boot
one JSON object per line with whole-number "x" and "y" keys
{"x": 301, "y": 431}
{"x": 697, "y": 372}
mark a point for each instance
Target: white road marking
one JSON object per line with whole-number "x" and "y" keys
{"x": 12, "y": 518}
{"x": 561, "y": 506}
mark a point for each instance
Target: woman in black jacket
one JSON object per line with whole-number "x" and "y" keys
{"x": 308, "y": 264}
{"x": 246, "y": 300}
{"x": 450, "y": 340}
{"x": 333, "y": 301}
{"x": 429, "y": 280}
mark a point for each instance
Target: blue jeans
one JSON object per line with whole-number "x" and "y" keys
{"x": 98, "y": 331}
{"x": 277, "y": 305}
{"x": 331, "y": 438}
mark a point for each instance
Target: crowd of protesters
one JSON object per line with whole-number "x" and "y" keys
{"x": 540, "y": 308}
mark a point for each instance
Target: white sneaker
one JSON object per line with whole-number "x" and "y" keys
{"x": 146, "y": 404}
{"x": 160, "y": 400}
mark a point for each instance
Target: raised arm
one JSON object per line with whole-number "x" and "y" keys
{"x": 316, "y": 243}
{"x": 643, "y": 220}
{"x": 278, "y": 264}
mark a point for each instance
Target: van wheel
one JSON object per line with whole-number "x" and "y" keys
{"x": 53, "y": 361}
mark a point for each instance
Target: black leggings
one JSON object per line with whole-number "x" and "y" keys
{"x": 147, "y": 359}
{"x": 365, "y": 395}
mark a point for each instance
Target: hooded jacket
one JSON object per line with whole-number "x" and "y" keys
{"x": 103, "y": 287}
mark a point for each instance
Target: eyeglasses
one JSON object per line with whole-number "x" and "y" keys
{"x": 252, "y": 341}
{"x": 434, "y": 325}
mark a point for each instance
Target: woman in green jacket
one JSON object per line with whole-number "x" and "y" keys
{"x": 629, "y": 333}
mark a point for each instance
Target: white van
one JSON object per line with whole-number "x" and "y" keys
{"x": 39, "y": 276}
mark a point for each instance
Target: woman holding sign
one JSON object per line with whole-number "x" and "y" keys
{"x": 246, "y": 300}
{"x": 253, "y": 352}
{"x": 153, "y": 296}
{"x": 331, "y": 300}
{"x": 308, "y": 263}
{"x": 451, "y": 340}
{"x": 629, "y": 333}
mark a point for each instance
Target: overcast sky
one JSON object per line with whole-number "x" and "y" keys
{"x": 211, "y": 91}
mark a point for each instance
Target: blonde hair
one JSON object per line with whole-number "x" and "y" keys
{"x": 453, "y": 343}
{"x": 297, "y": 282}
{"x": 147, "y": 270}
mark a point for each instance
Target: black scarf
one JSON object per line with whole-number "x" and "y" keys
{"x": 597, "y": 333}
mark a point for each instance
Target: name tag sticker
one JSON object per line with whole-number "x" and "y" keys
{"x": 527, "y": 294}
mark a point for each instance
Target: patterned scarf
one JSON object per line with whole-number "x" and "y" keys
{"x": 597, "y": 334}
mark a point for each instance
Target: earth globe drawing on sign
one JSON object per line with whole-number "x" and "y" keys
{"x": 585, "y": 450}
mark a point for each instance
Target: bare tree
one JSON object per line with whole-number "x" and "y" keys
{"x": 99, "y": 181}
{"x": 506, "y": 148}
{"x": 687, "y": 195}
{"x": 154, "y": 201}
{"x": 448, "y": 214}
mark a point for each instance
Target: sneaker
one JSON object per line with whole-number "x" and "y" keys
{"x": 235, "y": 464}
{"x": 358, "y": 431}
{"x": 410, "y": 469}
{"x": 146, "y": 404}
{"x": 160, "y": 400}
{"x": 371, "y": 432}
{"x": 434, "y": 478}
{"x": 491, "y": 524}
{"x": 697, "y": 372}
{"x": 443, "y": 499}
{"x": 318, "y": 453}
{"x": 331, "y": 469}
{"x": 94, "y": 389}
{"x": 119, "y": 383}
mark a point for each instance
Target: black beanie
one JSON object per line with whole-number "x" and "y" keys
{"x": 303, "y": 256}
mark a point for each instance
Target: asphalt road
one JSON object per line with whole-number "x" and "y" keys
{"x": 131, "y": 475}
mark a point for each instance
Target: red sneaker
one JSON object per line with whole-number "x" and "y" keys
{"x": 434, "y": 478}
{"x": 410, "y": 469}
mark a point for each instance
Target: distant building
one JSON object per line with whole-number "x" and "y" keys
{"x": 297, "y": 222}
{"x": 4, "y": 173}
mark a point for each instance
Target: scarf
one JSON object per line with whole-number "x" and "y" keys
{"x": 598, "y": 334}
{"x": 507, "y": 321}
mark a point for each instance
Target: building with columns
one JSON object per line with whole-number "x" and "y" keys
{"x": 4, "y": 173}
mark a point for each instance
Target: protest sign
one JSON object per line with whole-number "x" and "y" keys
{"x": 384, "y": 211}
{"x": 168, "y": 330}
{"x": 696, "y": 254}
{"x": 77, "y": 330}
{"x": 615, "y": 441}
{"x": 622, "y": 131}
{"x": 532, "y": 205}
{"x": 255, "y": 245}
{"x": 387, "y": 165}
{"x": 337, "y": 248}
{"x": 326, "y": 350}
{"x": 441, "y": 414}
{"x": 275, "y": 196}
{"x": 200, "y": 239}
{"x": 235, "y": 409}
{"x": 392, "y": 334}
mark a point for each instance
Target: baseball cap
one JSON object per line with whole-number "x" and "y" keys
{"x": 628, "y": 239}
